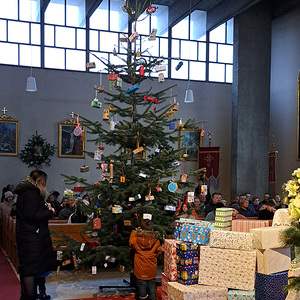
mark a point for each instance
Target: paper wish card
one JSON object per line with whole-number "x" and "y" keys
{"x": 271, "y": 261}
{"x": 228, "y": 268}
{"x": 170, "y": 259}
{"x": 177, "y": 291}
{"x": 231, "y": 240}
{"x": 268, "y": 237}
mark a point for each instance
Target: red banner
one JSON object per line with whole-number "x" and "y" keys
{"x": 272, "y": 167}
{"x": 208, "y": 157}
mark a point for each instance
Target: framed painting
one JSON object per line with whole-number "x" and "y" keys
{"x": 69, "y": 144}
{"x": 9, "y": 132}
{"x": 190, "y": 139}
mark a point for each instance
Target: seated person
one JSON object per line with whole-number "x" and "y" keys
{"x": 216, "y": 197}
{"x": 186, "y": 212}
{"x": 69, "y": 208}
{"x": 246, "y": 210}
{"x": 255, "y": 203}
{"x": 266, "y": 210}
{"x": 211, "y": 215}
{"x": 198, "y": 207}
{"x": 235, "y": 212}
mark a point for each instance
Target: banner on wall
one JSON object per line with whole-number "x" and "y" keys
{"x": 209, "y": 158}
{"x": 272, "y": 166}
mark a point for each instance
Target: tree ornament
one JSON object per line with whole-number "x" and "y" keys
{"x": 78, "y": 130}
{"x": 172, "y": 187}
{"x": 96, "y": 223}
{"x": 115, "y": 229}
{"x": 95, "y": 103}
{"x": 111, "y": 170}
{"x": 37, "y": 152}
{"x": 106, "y": 114}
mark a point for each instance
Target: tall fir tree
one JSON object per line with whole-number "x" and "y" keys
{"x": 140, "y": 178}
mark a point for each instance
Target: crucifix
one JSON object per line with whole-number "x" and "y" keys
{"x": 72, "y": 115}
{"x": 4, "y": 110}
{"x": 209, "y": 138}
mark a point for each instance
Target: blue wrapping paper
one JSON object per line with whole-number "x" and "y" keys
{"x": 195, "y": 234}
{"x": 269, "y": 287}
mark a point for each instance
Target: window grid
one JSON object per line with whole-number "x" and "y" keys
{"x": 118, "y": 46}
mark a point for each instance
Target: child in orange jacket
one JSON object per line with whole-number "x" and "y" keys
{"x": 147, "y": 248}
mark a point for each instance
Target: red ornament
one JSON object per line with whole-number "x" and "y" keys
{"x": 93, "y": 244}
{"x": 150, "y": 10}
{"x": 96, "y": 223}
{"x": 115, "y": 228}
{"x": 142, "y": 70}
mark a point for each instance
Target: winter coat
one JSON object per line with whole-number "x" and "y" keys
{"x": 35, "y": 251}
{"x": 147, "y": 248}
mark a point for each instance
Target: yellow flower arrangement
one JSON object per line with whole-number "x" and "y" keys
{"x": 292, "y": 189}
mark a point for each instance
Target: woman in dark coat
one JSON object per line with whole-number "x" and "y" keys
{"x": 35, "y": 251}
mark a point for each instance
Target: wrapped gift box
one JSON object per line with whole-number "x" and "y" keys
{"x": 272, "y": 261}
{"x": 231, "y": 240}
{"x": 240, "y": 295}
{"x": 281, "y": 218}
{"x": 223, "y": 228}
{"x": 267, "y": 237}
{"x": 179, "y": 225}
{"x": 187, "y": 275}
{"x": 178, "y": 291}
{"x": 269, "y": 287}
{"x": 195, "y": 234}
{"x": 170, "y": 261}
{"x": 223, "y": 219}
{"x": 186, "y": 251}
{"x": 294, "y": 273}
{"x": 293, "y": 295}
{"x": 247, "y": 225}
{"x": 224, "y": 212}
{"x": 227, "y": 268}
{"x": 164, "y": 283}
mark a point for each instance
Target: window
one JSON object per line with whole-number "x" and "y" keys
{"x": 67, "y": 38}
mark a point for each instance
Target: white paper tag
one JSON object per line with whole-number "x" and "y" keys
{"x": 82, "y": 246}
{"x": 147, "y": 216}
{"x": 94, "y": 270}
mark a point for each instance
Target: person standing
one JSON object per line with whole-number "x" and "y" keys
{"x": 147, "y": 248}
{"x": 35, "y": 251}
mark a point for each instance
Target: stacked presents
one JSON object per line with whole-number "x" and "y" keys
{"x": 223, "y": 218}
{"x": 217, "y": 263}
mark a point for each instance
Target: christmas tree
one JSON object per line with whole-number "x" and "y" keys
{"x": 137, "y": 180}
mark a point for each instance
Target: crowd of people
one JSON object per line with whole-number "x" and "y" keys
{"x": 205, "y": 205}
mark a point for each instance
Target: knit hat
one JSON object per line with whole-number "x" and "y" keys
{"x": 7, "y": 194}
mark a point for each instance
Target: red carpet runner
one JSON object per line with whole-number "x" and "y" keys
{"x": 9, "y": 283}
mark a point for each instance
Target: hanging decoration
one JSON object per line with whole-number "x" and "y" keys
{"x": 95, "y": 103}
{"x": 37, "y": 152}
{"x": 78, "y": 130}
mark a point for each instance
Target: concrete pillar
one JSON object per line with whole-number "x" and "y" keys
{"x": 251, "y": 100}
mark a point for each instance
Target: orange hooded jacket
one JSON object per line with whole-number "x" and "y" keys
{"x": 147, "y": 248}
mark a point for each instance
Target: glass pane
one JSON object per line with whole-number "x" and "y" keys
{"x": 30, "y": 56}
{"x": 188, "y": 50}
{"x": 197, "y": 70}
{"x": 55, "y": 12}
{"x": 108, "y": 41}
{"x": 3, "y": 36}
{"x": 118, "y": 18}
{"x": 18, "y": 32}
{"x": 75, "y": 13}
{"x": 202, "y": 51}
{"x": 99, "y": 19}
{"x": 94, "y": 42}
{"x": 54, "y": 58}
{"x": 175, "y": 49}
{"x": 123, "y": 45}
{"x": 116, "y": 60}
{"x": 217, "y": 35}
{"x": 159, "y": 20}
{"x": 182, "y": 73}
{"x": 212, "y": 52}
{"x": 225, "y": 53}
{"x": 8, "y": 54}
{"x": 181, "y": 29}
{"x": 81, "y": 39}
{"x": 49, "y": 35}
{"x": 163, "y": 48}
{"x": 216, "y": 72}
{"x": 75, "y": 60}
{"x": 152, "y": 47}
{"x": 9, "y": 9}
{"x": 230, "y": 31}
{"x": 100, "y": 66}
{"x": 35, "y": 33}
{"x": 229, "y": 74}
{"x": 64, "y": 37}
{"x": 142, "y": 25}
{"x": 30, "y": 10}
{"x": 198, "y": 24}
